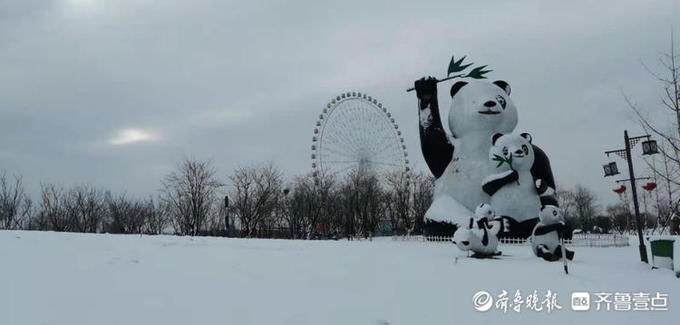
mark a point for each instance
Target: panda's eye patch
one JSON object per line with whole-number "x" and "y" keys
{"x": 525, "y": 149}
{"x": 501, "y": 101}
{"x": 505, "y": 151}
{"x": 555, "y": 213}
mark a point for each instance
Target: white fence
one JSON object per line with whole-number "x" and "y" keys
{"x": 599, "y": 240}
{"x": 578, "y": 240}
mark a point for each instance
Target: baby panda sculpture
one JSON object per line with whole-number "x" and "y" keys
{"x": 545, "y": 239}
{"x": 480, "y": 236}
{"x": 515, "y": 193}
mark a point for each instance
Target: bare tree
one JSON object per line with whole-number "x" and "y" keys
{"x": 363, "y": 198}
{"x": 301, "y": 207}
{"x": 15, "y": 205}
{"x": 670, "y": 102}
{"x": 666, "y": 168}
{"x": 125, "y": 216}
{"x": 255, "y": 194}
{"x": 155, "y": 216}
{"x": 620, "y": 216}
{"x": 585, "y": 206}
{"x": 330, "y": 215}
{"x": 423, "y": 189}
{"x": 398, "y": 203}
{"x": 565, "y": 198}
{"x": 579, "y": 207}
{"x": 190, "y": 194}
{"x": 85, "y": 209}
{"x": 216, "y": 223}
{"x": 53, "y": 215}
{"x": 310, "y": 209}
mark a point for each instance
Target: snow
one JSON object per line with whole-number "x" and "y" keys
{"x": 64, "y": 278}
{"x": 447, "y": 209}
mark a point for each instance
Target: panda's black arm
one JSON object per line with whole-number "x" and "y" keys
{"x": 542, "y": 230}
{"x": 491, "y": 185}
{"x": 434, "y": 143}
{"x": 483, "y": 223}
{"x": 541, "y": 170}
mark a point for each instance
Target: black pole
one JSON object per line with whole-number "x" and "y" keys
{"x": 643, "y": 249}
{"x": 226, "y": 213}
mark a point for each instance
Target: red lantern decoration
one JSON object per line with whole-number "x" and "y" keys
{"x": 620, "y": 190}
{"x": 649, "y": 186}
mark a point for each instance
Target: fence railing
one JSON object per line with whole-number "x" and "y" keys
{"x": 578, "y": 240}
{"x": 599, "y": 240}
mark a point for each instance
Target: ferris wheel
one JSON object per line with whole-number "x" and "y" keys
{"x": 355, "y": 132}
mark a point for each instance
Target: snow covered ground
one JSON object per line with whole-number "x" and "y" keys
{"x": 63, "y": 278}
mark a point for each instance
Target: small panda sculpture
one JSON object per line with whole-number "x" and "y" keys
{"x": 545, "y": 239}
{"x": 481, "y": 236}
{"x": 513, "y": 189}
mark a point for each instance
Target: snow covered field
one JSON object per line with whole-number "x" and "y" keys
{"x": 63, "y": 278}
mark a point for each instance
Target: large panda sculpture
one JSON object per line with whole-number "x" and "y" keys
{"x": 479, "y": 109}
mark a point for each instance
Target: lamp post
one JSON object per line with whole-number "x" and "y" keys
{"x": 649, "y": 147}
{"x": 226, "y": 214}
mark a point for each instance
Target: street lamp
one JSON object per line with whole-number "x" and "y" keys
{"x": 226, "y": 214}
{"x": 649, "y": 147}
{"x": 610, "y": 169}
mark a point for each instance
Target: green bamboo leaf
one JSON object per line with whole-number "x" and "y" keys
{"x": 499, "y": 159}
{"x": 478, "y": 73}
{"x": 453, "y": 65}
{"x": 457, "y": 66}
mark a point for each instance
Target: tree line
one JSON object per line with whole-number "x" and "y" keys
{"x": 584, "y": 213}
{"x": 253, "y": 201}
{"x": 258, "y": 201}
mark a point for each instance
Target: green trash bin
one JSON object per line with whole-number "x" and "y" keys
{"x": 664, "y": 254}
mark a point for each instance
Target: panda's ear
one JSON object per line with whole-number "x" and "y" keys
{"x": 503, "y": 85}
{"x": 456, "y": 87}
{"x": 527, "y": 136}
{"x": 495, "y": 137}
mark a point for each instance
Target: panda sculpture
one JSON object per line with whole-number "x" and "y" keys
{"x": 512, "y": 187}
{"x": 459, "y": 161}
{"x": 545, "y": 239}
{"x": 481, "y": 235}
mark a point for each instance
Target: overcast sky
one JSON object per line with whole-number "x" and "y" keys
{"x": 115, "y": 93}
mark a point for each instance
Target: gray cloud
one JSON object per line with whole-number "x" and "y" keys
{"x": 242, "y": 82}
